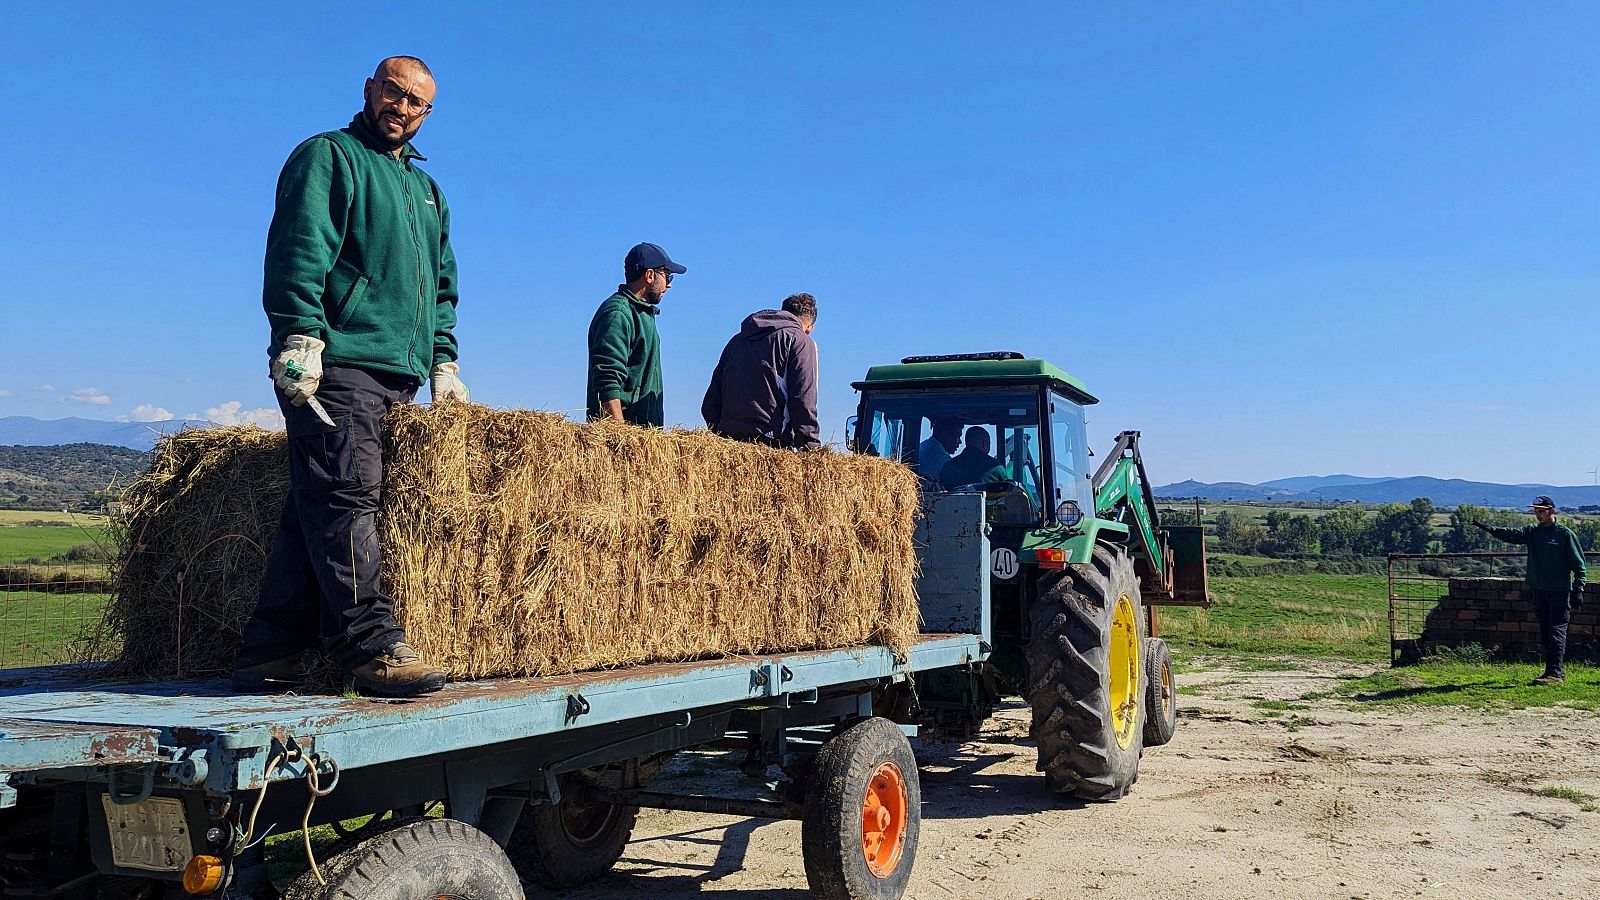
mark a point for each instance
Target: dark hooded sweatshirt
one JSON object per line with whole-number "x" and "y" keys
{"x": 765, "y": 385}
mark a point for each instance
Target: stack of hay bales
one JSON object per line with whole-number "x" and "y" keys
{"x": 519, "y": 543}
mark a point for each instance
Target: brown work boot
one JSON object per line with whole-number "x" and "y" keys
{"x": 1550, "y": 678}
{"x": 270, "y": 677}
{"x": 396, "y": 672}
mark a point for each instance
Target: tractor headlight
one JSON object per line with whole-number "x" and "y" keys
{"x": 1069, "y": 514}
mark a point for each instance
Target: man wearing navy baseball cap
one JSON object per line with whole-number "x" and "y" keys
{"x": 624, "y": 349}
{"x": 1556, "y": 576}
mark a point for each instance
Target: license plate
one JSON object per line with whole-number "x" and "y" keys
{"x": 151, "y": 834}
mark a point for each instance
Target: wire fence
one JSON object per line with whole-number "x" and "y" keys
{"x": 48, "y": 612}
{"x": 1419, "y": 581}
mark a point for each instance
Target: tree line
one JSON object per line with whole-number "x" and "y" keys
{"x": 1349, "y": 531}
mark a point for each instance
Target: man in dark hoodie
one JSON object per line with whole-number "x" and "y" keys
{"x": 764, "y": 388}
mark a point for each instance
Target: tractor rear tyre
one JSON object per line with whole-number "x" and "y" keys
{"x": 1086, "y": 676}
{"x": 863, "y": 809}
{"x": 417, "y": 858}
{"x": 573, "y": 842}
{"x": 1161, "y": 694}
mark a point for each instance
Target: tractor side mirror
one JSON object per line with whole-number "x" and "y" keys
{"x": 850, "y": 433}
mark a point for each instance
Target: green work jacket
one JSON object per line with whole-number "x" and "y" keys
{"x": 1555, "y": 559}
{"x": 625, "y": 358}
{"x": 359, "y": 256}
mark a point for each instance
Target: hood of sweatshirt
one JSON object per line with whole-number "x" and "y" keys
{"x": 760, "y": 325}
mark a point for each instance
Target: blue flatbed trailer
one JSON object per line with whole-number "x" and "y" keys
{"x": 170, "y": 787}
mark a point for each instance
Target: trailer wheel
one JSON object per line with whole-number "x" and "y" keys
{"x": 434, "y": 858}
{"x": 863, "y": 810}
{"x": 1086, "y": 677}
{"x": 573, "y": 842}
{"x": 1161, "y": 694}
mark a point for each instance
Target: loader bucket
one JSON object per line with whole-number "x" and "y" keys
{"x": 1188, "y": 546}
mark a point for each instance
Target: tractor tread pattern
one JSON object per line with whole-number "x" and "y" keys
{"x": 1069, "y": 690}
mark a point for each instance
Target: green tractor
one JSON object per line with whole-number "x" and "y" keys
{"x": 1078, "y": 558}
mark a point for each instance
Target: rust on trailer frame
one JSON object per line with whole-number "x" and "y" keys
{"x": 67, "y": 744}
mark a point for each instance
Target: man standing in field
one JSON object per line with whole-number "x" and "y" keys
{"x": 624, "y": 348}
{"x": 1556, "y": 575}
{"x": 360, "y": 291}
{"x": 764, "y": 388}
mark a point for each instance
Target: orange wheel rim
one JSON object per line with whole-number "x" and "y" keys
{"x": 883, "y": 820}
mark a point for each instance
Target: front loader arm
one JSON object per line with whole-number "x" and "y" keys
{"x": 1120, "y": 481}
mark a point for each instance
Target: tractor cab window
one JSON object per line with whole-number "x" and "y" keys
{"x": 1069, "y": 453}
{"x": 882, "y": 436}
{"x": 981, "y": 441}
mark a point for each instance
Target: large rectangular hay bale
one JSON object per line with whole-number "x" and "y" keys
{"x": 519, "y": 543}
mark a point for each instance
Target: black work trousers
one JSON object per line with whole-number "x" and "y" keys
{"x": 321, "y": 582}
{"x": 1555, "y": 610}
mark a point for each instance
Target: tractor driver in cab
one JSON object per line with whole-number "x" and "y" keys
{"x": 973, "y": 465}
{"x": 933, "y": 453}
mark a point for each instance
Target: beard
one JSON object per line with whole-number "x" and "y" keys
{"x": 652, "y": 295}
{"x": 375, "y": 124}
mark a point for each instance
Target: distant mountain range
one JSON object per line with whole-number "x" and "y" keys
{"x": 1325, "y": 488}
{"x": 30, "y": 432}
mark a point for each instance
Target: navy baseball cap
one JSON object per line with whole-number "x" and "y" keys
{"x": 1542, "y": 500}
{"x": 648, "y": 256}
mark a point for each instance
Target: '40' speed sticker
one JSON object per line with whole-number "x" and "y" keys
{"x": 1003, "y": 563}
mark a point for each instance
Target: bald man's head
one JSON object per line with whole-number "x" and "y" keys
{"x": 399, "y": 96}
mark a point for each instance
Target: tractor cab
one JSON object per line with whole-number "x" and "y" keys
{"x": 1013, "y": 429}
{"x": 995, "y": 423}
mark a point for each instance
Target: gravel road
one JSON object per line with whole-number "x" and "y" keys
{"x": 1318, "y": 802}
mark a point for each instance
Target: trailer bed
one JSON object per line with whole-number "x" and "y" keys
{"x": 51, "y": 720}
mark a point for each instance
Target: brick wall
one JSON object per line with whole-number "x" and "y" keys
{"x": 1497, "y": 613}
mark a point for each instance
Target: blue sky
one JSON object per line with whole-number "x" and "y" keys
{"x": 1279, "y": 239}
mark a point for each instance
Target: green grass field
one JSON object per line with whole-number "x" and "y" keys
{"x": 1333, "y": 616}
{"x": 20, "y": 543}
{"x": 39, "y": 629}
{"x": 1447, "y": 682}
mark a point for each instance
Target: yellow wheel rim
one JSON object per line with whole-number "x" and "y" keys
{"x": 1124, "y": 662}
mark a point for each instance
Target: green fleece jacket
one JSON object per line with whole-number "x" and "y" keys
{"x": 359, "y": 256}
{"x": 625, "y": 358}
{"x": 1555, "y": 559}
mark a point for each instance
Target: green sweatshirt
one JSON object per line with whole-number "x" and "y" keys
{"x": 1555, "y": 559}
{"x": 358, "y": 255}
{"x": 625, "y": 358}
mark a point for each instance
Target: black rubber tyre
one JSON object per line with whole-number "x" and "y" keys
{"x": 1161, "y": 694}
{"x": 867, "y": 761}
{"x": 1070, "y": 682}
{"x": 573, "y": 843}
{"x": 421, "y": 858}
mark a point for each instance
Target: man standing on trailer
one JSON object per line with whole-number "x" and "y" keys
{"x": 1556, "y": 576}
{"x": 360, "y": 291}
{"x": 764, "y": 388}
{"x": 624, "y": 348}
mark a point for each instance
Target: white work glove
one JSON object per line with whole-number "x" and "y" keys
{"x": 298, "y": 369}
{"x": 445, "y": 381}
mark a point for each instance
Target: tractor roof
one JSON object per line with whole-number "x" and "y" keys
{"x": 974, "y": 370}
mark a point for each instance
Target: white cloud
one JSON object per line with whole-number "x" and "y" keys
{"x": 46, "y": 389}
{"x": 4, "y": 392}
{"x": 89, "y": 395}
{"x": 146, "y": 412}
{"x": 234, "y": 413}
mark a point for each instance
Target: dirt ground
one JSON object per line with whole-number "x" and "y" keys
{"x": 1325, "y": 802}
